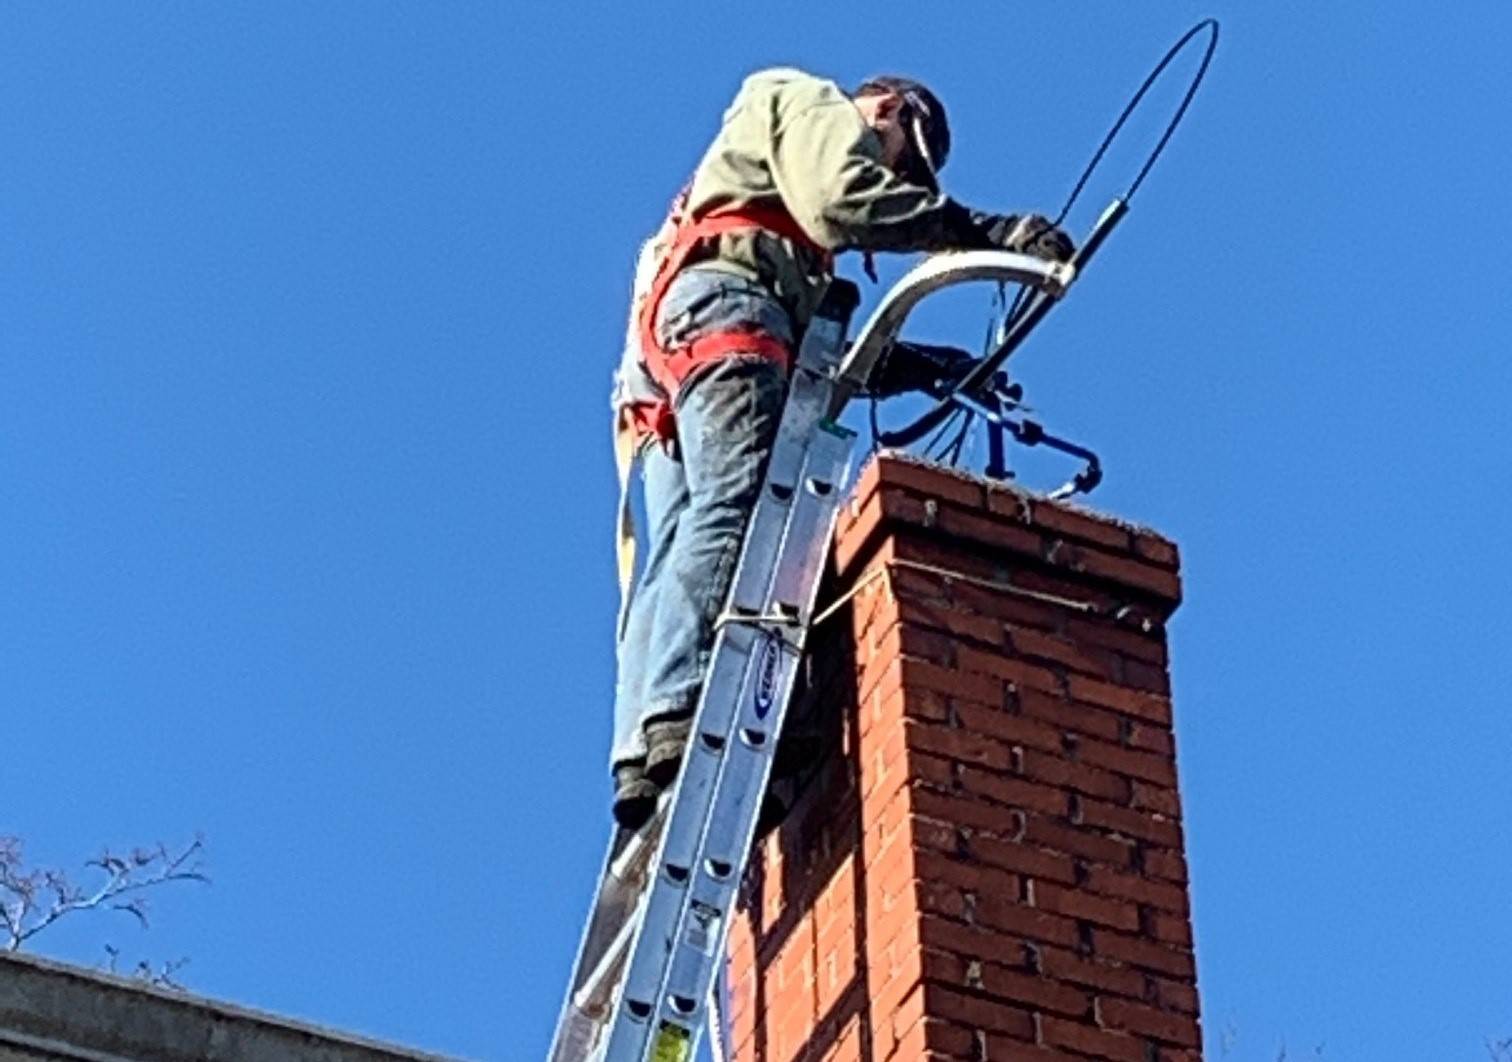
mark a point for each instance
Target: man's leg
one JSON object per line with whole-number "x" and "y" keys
{"x": 727, "y": 417}
{"x": 666, "y": 495}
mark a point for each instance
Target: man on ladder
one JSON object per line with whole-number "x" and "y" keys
{"x": 799, "y": 171}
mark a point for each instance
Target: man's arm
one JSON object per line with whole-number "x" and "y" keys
{"x": 827, "y": 166}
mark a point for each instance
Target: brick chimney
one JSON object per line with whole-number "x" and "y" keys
{"x": 984, "y": 860}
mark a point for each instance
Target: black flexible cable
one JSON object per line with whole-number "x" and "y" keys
{"x": 1102, "y": 149}
{"x": 1023, "y": 305}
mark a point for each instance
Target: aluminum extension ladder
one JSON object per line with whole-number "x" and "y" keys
{"x": 655, "y": 940}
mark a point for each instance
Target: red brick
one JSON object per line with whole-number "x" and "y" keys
{"x": 1146, "y": 1020}
{"x": 1156, "y": 798}
{"x": 908, "y": 640}
{"x": 1141, "y": 675}
{"x": 1015, "y": 792}
{"x": 1146, "y": 706}
{"x": 999, "y": 821}
{"x": 971, "y": 877}
{"x": 934, "y": 772}
{"x": 857, "y": 537}
{"x": 936, "y": 835}
{"x": 1171, "y": 929}
{"x": 1069, "y": 715}
{"x": 1126, "y": 571}
{"x": 1010, "y": 502}
{"x": 1150, "y": 766}
{"x": 1054, "y": 770}
{"x": 952, "y": 620}
{"x": 896, "y": 702}
{"x": 1160, "y": 550}
{"x": 931, "y": 481}
{"x": 1132, "y": 822}
{"x": 1077, "y": 903}
{"x": 884, "y": 760}
{"x": 1073, "y": 524}
{"x": 1006, "y": 606}
{"x": 1175, "y": 995}
{"x": 1065, "y": 590}
{"x": 999, "y": 1047}
{"x": 1094, "y": 973}
{"x": 974, "y": 527}
{"x": 1069, "y": 839}
{"x": 1149, "y": 648}
{"x": 1000, "y": 981}
{"x": 1111, "y": 882}
{"x": 1012, "y": 916}
{"x": 1022, "y": 858}
{"x": 1162, "y": 958}
{"x": 1100, "y": 663}
{"x": 1018, "y": 672}
{"x": 914, "y": 586}
{"x": 959, "y": 745}
{"x": 920, "y": 550}
{"x": 1034, "y": 990}
{"x": 927, "y": 1040}
{"x": 977, "y": 941}
{"x": 1152, "y": 739}
{"x": 974, "y": 1011}
{"x": 1002, "y": 725}
{"x": 943, "y": 898}
{"x": 1095, "y": 1042}
{"x": 925, "y": 675}
{"x": 1161, "y": 863}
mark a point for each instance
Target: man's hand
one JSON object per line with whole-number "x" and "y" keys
{"x": 918, "y": 367}
{"x": 1026, "y": 234}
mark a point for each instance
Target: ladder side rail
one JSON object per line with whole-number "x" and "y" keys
{"x": 809, "y": 401}
{"x": 711, "y": 736}
{"x": 575, "y": 1025}
{"x": 617, "y": 901}
{"x": 700, "y": 937}
{"x": 730, "y": 664}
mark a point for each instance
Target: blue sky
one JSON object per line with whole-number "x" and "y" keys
{"x": 306, "y": 319}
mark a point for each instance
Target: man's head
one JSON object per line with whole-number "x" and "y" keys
{"x": 911, "y": 123}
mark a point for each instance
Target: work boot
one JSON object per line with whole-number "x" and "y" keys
{"x": 634, "y": 796}
{"x": 665, "y": 741}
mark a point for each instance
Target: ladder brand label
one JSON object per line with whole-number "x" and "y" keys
{"x": 703, "y": 932}
{"x": 766, "y": 678}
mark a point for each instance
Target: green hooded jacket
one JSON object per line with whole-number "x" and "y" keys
{"x": 797, "y": 141}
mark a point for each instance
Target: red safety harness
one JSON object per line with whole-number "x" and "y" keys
{"x": 669, "y": 368}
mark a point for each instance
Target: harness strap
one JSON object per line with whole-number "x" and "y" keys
{"x": 636, "y": 422}
{"x": 670, "y": 368}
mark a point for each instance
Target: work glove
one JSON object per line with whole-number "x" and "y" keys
{"x": 1026, "y": 234}
{"x": 918, "y": 367}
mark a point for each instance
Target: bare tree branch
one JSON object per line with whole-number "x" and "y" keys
{"x": 30, "y": 901}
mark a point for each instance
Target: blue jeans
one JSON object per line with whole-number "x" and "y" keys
{"x": 698, "y": 497}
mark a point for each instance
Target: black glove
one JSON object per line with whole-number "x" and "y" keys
{"x": 918, "y": 367}
{"x": 1026, "y": 234}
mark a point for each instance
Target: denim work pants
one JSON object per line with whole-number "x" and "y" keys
{"x": 698, "y": 497}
